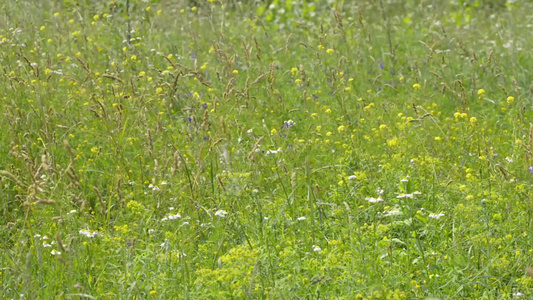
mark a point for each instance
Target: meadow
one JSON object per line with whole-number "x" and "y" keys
{"x": 251, "y": 150}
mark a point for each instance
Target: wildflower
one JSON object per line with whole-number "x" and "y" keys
{"x": 89, "y": 234}
{"x": 481, "y": 92}
{"x": 289, "y": 123}
{"x": 391, "y": 213}
{"x": 235, "y": 72}
{"x": 316, "y": 248}
{"x": 37, "y": 236}
{"x": 330, "y": 51}
{"x": 401, "y": 196}
{"x": 174, "y": 217}
{"x": 46, "y": 245}
{"x": 510, "y": 99}
{"x": 352, "y": 177}
{"x": 531, "y": 169}
{"x": 273, "y": 151}
{"x": 302, "y": 218}
{"x": 473, "y": 120}
{"x": 320, "y": 47}
{"x": 436, "y": 216}
{"x": 416, "y": 87}
{"x": 221, "y": 213}
{"x": 374, "y": 200}
{"x": 54, "y": 252}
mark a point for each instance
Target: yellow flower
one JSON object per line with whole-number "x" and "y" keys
{"x": 273, "y": 131}
{"x": 193, "y": 8}
{"x": 153, "y": 293}
{"x": 341, "y": 128}
{"x": 417, "y": 87}
{"x": 320, "y": 47}
{"x": 330, "y": 51}
{"x": 158, "y": 90}
{"x": 148, "y": 8}
{"x": 159, "y": 12}
{"x": 481, "y": 92}
{"x": 235, "y": 72}
{"x": 510, "y": 99}
{"x": 473, "y": 120}
{"x": 96, "y": 17}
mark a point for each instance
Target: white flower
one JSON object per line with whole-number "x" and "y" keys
{"x": 150, "y": 231}
{"x": 417, "y": 193}
{"x": 374, "y": 200}
{"x": 352, "y": 177}
{"x": 517, "y": 295}
{"x": 46, "y": 245}
{"x": 164, "y": 183}
{"x": 45, "y": 238}
{"x": 404, "y": 196}
{"x": 174, "y": 217}
{"x": 510, "y": 160}
{"x": 436, "y": 216}
{"x": 391, "y": 213}
{"x": 88, "y": 233}
{"x": 54, "y": 252}
{"x": 250, "y": 130}
{"x": 221, "y": 213}
{"x": 273, "y": 151}
{"x": 316, "y": 248}
{"x": 289, "y": 123}
{"x": 156, "y": 188}
{"x": 151, "y": 186}
{"x": 37, "y": 236}
{"x": 302, "y": 218}
{"x": 72, "y": 212}
{"x": 404, "y": 180}
{"x": 185, "y": 223}
{"x": 266, "y": 218}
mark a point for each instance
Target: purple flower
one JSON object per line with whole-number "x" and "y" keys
{"x": 531, "y": 169}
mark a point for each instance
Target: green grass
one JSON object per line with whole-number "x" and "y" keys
{"x": 302, "y": 150}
